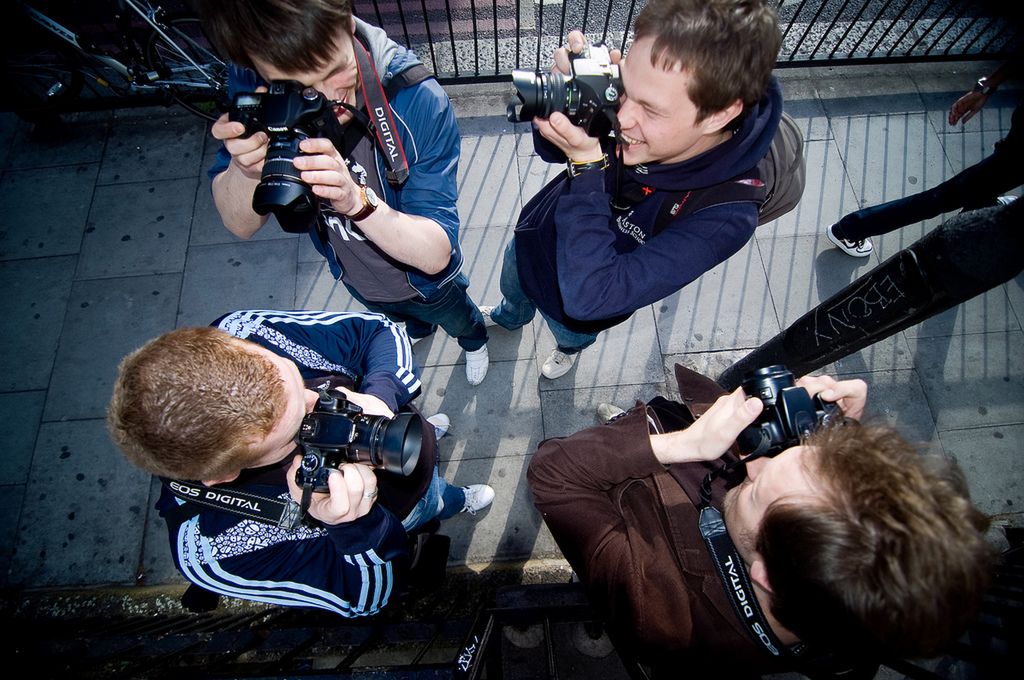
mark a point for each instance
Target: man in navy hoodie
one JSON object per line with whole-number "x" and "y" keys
{"x": 394, "y": 244}
{"x": 630, "y": 221}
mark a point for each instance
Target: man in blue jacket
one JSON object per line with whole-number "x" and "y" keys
{"x": 224, "y": 404}
{"x": 632, "y": 220}
{"x": 394, "y": 244}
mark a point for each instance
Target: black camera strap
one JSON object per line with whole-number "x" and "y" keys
{"x": 380, "y": 123}
{"x": 736, "y": 581}
{"x": 284, "y": 514}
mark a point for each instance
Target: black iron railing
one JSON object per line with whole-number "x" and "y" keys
{"x": 483, "y": 40}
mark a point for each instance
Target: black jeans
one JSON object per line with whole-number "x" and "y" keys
{"x": 976, "y": 187}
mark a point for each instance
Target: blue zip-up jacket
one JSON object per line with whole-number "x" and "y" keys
{"x": 351, "y": 569}
{"x": 608, "y": 263}
{"x": 430, "y": 136}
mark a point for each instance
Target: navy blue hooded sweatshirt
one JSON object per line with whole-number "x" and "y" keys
{"x": 607, "y": 263}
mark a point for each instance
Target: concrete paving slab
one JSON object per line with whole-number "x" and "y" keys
{"x": 33, "y": 308}
{"x": 500, "y": 417}
{"x": 711, "y": 364}
{"x": 728, "y": 307}
{"x": 138, "y": 228}
{"x": 993, "y": 117}
{"x": 139, "y": 149}
{"x": 11, "y": 500}
{"x": 22, "y": 414}
{"x": 511, "y": 529}
{"x": 808, "y": 113}
{"x": 828, "y": 195}
{"x": 10, "y": 129}
{"x": 488, "y": 191}
{"x": 979, "y": 381}
{"x": 32, "y": 223}
{"x": 82, "y": 522}
{"x": 316, "y": 288}
{"x": 988, "y": 312}
{"x": 244, "y": 275}
{"x": 107, "y": 319}
{"x": 569, "y": 411}
{"x": 864, "y": 93}
{"x": 890, "y": 156}
{"x": 1015, "y": 293}
{"x": 75, "y": 143}
{"x": 988, "y": 455}
{"x": 897, "y": 398}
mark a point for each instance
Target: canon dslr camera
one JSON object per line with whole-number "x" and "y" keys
{"x": 589, "y": 96}
{"x": 288, "y": 112}
{"x": 337, "y": 431}
{"x": 789, "y": 412}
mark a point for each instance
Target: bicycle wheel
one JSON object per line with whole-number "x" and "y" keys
{"x": 40, "y": 82}
{"x": 199, "y": 87}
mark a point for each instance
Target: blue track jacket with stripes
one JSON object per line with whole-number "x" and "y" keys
{"x": 352, "y": 569}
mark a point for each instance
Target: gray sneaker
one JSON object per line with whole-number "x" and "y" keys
{"x": 441, "y": 423}
{"x": 558, "y": 364}
{"x": 608, "y": 412}
{"x": 485, "y": 311}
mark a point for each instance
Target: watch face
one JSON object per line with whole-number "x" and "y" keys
{"x": 371, "y": 197}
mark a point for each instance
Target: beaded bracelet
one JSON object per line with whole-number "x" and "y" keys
{"x": 575, "y": 167}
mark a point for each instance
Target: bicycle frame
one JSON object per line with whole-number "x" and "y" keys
{"x": 149, "y": 14}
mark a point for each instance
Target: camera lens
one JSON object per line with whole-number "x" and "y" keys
{"x": 766, "y": 383}
{"x": 539, "y": 93}
{"x": 281, "y": 191}
{"x": 392, "y": 445}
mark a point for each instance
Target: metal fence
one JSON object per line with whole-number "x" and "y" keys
{"x": 483, "y": 40}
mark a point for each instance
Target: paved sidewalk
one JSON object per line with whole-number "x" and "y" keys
{"x": 108, "y": 237}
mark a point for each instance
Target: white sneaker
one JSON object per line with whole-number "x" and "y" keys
{"x": 558, "y": 364}
{"x": 477, "y": 362}
{"x": 1005, "y": 200}
{"x": 608, "y": 412}
{"x": 478, "y": 497}
{"x": 485, "y": 311}
{"x": 860, "y": 248}
{"x": 441, "y": 423}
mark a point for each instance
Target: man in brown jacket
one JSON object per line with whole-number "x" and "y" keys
{"x": 853, "y": 542}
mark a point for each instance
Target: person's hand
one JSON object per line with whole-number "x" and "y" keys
{"x": 353, "y": 491}
{"x": 247, "y": 153}
{"x": 322, "y": 168}
{"x": 712, "y": 434}
{"x": 963, "y": 109}
{"x": 849, "y": 395}
{"x": 371, "y": 405}
{"x": 572, "y": 140}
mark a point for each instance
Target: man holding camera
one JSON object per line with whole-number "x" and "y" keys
{"x": 226, "y": 405}
{"x": 623, "y": 227}
{"x": 833, "y": 550}
{"x": 385, "y": 193}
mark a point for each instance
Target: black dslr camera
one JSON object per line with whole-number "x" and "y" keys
{"x": 338, "y": 432}
{"x": 789, "y": 412}
{"x": 288, "y": 112}
{"x": 589, "y": 96}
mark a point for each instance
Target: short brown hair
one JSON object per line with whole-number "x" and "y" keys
{"x": 291, "y": 35}
{"x": 894, "y": 558}
{"x": 728, "y": 46}
{"x": 191, "y": 403}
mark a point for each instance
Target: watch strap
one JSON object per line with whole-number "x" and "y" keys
{"x": 367, "y": 208}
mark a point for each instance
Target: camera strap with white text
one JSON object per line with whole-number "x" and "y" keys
{"x": 284, "y": 514}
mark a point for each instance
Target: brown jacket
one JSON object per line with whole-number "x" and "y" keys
{"x": 629, "y": 530}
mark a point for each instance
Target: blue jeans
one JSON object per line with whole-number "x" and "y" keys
{"x": 449, "y": 307}
{"x": 441, "y": 500}
{"x": 516, "y": 310}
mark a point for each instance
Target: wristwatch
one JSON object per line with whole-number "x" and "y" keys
{"x": 983, "y": 87}
{"x": 370, "y": 203}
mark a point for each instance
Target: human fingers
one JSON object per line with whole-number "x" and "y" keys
{"x": 224, "y": 128}
{"x": 722, "y": 423}
{"x": 294, "y": 489}
{"x": 851, "y": 395}
{"x": 576, "y": 41}
{"x": 615, "y": 55}
{"x": 371, "y": 405}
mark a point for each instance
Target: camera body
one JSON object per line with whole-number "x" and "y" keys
{"x": 789, "y": 411}
{"x": 588, "y": 96}
{"x": 288, "y": 113}
{"x": 337, "y": 432}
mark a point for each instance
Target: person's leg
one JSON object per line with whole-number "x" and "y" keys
{"x": 428, "y": 506}
{"x": 515, "y": 309}
{"x": 397, "y": 312}
{"x": 569, "y": 344}
{"x": 452, "y": 309}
